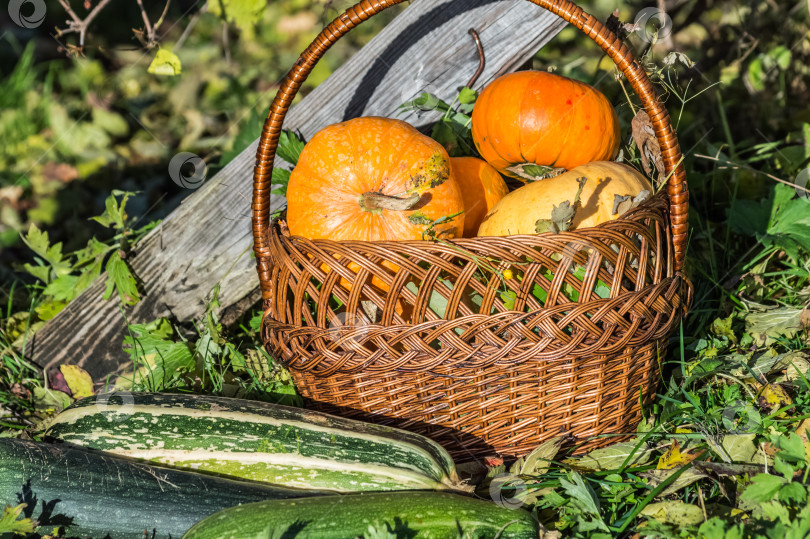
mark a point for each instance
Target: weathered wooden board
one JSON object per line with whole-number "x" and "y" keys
{"x": 207, "y": 239}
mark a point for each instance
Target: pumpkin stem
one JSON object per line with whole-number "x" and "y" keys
{"x": 373, "y": 201}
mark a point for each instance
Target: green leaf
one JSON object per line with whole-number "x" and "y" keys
{"x": 614, "y": 456}
{"x": 51, "y": 399}
{"x": 88, "y": 275}
{"x": 158, "y": 354}
{"x": 763, "y": 488}
{"x": 783, "y": 467}
{"x": 425, "y": 102}
{"x": 775, "y": 511}
{"x": 43, "y": 273}
{"x": 290, "y": 146}
{"x": 509, "y": 297}
{"x": 49, "y": 308}
{"x": 793, "y": 493}
{"x": 583, "y": 495}
{"x": 243, "y": 13}
{"x": 766, "y": 327}
{"x": 756, "y": 74}
{"x": 781, "y": 56}
{"x": 583, "y": 498}
{"x": 536, "y": 171}
{"x": 674, "y": 512}
{"x": 111, "y": 122}
{"x": 722, "y": 328}
{"x": 789, "y": 226}
{"x": 739, "y": 447}
{"x": 467, "y": 96}
{"x": 37, "y": 241}
{"x": 444, "y": 135}
{"x": 715, "y": 528}
{"x": 749, "y": 217}
{"x": 115, "y": 214}
{"x": 539, "y": 460}
{"x": 166, "y": 63}
{"x": 120, "y": 279}
{"x": 791, "y": 447}
{"x": 10, "y": 521}
{"x": 62, "y": 288}
{"x": 281, "y": 177}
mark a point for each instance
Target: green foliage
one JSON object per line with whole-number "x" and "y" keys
{"x": 781, "y": 221}
{"x": 453, "y": 129}
{"x": 65, "y": 276}
{"x": 243, "y": 13}
{"x": 10, "y": 521}
{"x": 290, "y": 146}
{"x": 166, "y": 359}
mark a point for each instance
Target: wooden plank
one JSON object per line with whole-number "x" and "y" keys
{"x": 207, "y": 239}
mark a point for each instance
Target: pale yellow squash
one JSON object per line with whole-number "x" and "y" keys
{"x": 518, "y": 212}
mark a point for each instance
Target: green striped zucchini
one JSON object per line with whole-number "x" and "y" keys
{"x": 419, "y": 515}
{"x": 89, "y": 494}
{"x": 257, "y": 441}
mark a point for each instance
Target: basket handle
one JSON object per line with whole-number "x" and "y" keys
{"x": 570, "y": 12}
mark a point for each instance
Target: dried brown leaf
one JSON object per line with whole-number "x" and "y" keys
{"x": 648, "y": 147}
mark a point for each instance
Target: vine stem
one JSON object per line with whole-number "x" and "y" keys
{"x": 481, "y": 59}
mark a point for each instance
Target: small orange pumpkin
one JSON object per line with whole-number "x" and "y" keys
{"x": 481, "y": 188}
{"x": 536, "y": 117}
{"x": 372, "y": 179}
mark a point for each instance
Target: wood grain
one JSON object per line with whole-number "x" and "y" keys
{"x": 207, "y": 239}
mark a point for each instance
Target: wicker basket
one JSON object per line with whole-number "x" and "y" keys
{"x": 486, "y": 377}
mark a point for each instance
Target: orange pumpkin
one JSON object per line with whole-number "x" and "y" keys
{"x": 481, "y": 188}
{"x": 372, "y": 179}
{"x": 535, "y": 117}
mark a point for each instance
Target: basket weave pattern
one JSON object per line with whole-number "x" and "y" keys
{"x": 429, "y": 336}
